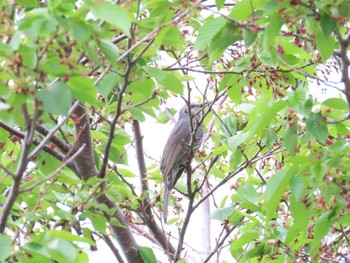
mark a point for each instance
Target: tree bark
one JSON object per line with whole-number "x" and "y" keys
{"x": 86, "y": 168}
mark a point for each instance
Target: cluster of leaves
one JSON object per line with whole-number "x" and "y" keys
{"x": 305, "y": 203}
{"x": 284, "y": 155}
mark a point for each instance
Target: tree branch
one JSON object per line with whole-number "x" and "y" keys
{"x": 343, "y": 54}
{"x": 52, "y": 132}
{"x": 110, "y": 244}
{"x": 45, "y": 148}
{"x": 150, "y": 36}
{"x": 146, "y": 212}
{"x": 241, "y": 168}
{"x": 114, "y": 121}
{"x": 219, "y": 244}
{"x": 86, "y": 168}
{"x": 64, "y": 147}
{"x": 63, "y": 164}
{"x": 22, "y": 165}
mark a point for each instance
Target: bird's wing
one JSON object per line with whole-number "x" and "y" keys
{"x": 175, "y": 146}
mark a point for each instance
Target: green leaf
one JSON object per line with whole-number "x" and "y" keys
{"x": 166, "y": 79}
{"x": 207, "y": 32}
{"x": 70, "y": 237}
{"x": 126, "y": 173}
{"x": 327, "y": 23}
{"x": 275, "y": 188}
{"x": 227, "y": 82}
{"x": 243, "y": 9}
{"x": 113, "y": 194}
{"x": 322, "y": 227}
{"x": 317, "y": 127}
{"x": 325, "y": 45}
{"x": 219, "y": 4}
{"x": 290, "y": 139}
{"x": 336, "y": 104}
{"x": 52, "y": 4}
{"x": 170, "y": 36}
{"x": 113, "y": 14}
{"x": 59, "y": 248}
{"x": 255, "y": 126}
{"x": 301, "y": 216}
{"x": 249, "y": 36}
{"x": 147, "y": 255}
{"x": 241, "y": 65}
{"x": 271, "y": 32}
{"x": 238, "y": 139}
{"x": 246, "y": 237}
{"x": 62, "y": 251}
{"x": 344, "y": 8}
{"x": 229, "y": 125}
{"x": 29, "y": 57}
{"x": 234, "y": 83}
{"x": 37, "y": 248}
{"x": 163, "y": 117}
{"x": 5, "y": 50}
{"x": 297, "y": 187}
{"x": 80, "y": 29}
{"x": 137, "y": 114}
{"x": 259, "y": 250}
{"x": 15, "y": 41}
{"x": 235, "y": 159}
{"x": 297, "y": 100}
{"x": 27, "y": 3}
{"x": 5, "y": 247}
{"x": 83, "y": 89}
{"x": 116, "y": 222}
{"x": 106, "y": 85}
{"x": 220, "y": 149}
{"x": 141, "y": 90}
{"x": 345, "y": 219}
{"x": 38, "y": 22}
{"x": 267, "y": 59}
{"x": 98, "y": 221}
{"x": 270, "y": 138}
{"x": 248, "y": 197}
{"x": 92, "y": 53}
{"x": 222, "y": 40}
{"x": 110, "y": 50}
{"x": 222, "y": 214}
{"x": 57, "y": 98}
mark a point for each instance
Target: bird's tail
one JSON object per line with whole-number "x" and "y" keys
{"x": 165, "y": 204}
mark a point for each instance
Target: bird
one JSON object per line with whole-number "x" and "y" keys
{"x": 176, "y": 153}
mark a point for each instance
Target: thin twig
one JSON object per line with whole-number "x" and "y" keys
{"x": 22, "y": 165}
{"x": 64, "y": 147}
{"x": 155, "y": 31}
{"x": 59, "y": 169}
{"x": 137, "y": 56}
{"x": 152, "y": 97}
{"x": 241, "y": 168}
{"x": 146, "y": 211}
{"x": 111, "y": 245}
{"x": 7, "y": 171}
{"x": 46, "y": 148}
{"x": 51, "y": 133}
{"x": 219, "y": 244}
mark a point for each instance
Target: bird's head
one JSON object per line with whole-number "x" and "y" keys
{"x": 194, "y": 107}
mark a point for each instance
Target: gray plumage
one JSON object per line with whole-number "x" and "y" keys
{"x": 176, "y": 151}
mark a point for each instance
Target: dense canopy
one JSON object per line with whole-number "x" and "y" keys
{"x": 81, "y": 80}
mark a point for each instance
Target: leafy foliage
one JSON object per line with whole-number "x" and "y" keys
{"x": 76, "y": 75}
